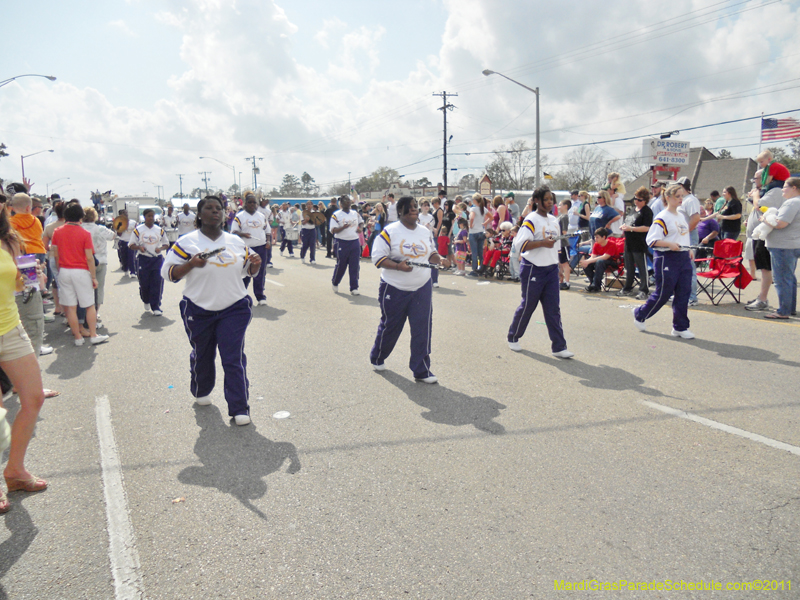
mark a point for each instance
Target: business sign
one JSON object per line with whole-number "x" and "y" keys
{"x": 665, "y": 152}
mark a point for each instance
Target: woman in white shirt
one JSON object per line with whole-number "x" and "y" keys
{"x": 536, "y": 242}
{"x": 672, "y": 265}
{"x": 216, "y": 308}
{"x": 100, "y": 238}
{"x": 405, "y": 291}
{"x": 477, "y": 232}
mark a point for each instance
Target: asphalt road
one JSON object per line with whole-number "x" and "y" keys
{"x": 516, "y": 471}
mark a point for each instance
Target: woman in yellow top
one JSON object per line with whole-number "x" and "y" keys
{"x": 20, "y": 364}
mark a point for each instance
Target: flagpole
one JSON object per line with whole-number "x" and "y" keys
{"x": 761, "y": 132}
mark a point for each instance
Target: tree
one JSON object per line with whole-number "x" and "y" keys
{"x": 338, "y": 189}
{"x": 724, "y": 154}
{"x": 584, "y": 169}
{"x": 513, "y": 167}
{"x": 307, "y": 185}
{"x": 378, "y": 180}
{"x": 633, "y": 166}
{"x": 3, "y": 150}
{"x": 233, "y": 190}
{"x": 290, "y": 186}
{"x": 424, "y": 182}
{"x": 468, "y": 182}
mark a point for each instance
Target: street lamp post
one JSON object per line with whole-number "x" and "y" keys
{"x": 7, "y": 81}
{"x": 47, "y": 186}
{"x": 22, "y": 160}
{"x": 487, "y": 72}
{"x": 231, "y": 167}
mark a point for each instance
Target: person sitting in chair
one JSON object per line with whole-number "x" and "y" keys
{"x": 604, "y": 255}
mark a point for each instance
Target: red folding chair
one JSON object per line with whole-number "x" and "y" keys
{"x": 726, "y": 271}
{"x": 616, "y": 271}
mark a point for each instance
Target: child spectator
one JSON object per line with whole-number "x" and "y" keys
{"x": 513, "y": 258}
{"x": 461, "y": 242}
{"x": 604, "y": 255}
{"x": 773, "y": 173}
{"x": 564, "y": 218}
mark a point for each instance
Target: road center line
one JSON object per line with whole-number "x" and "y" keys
{"x": 273, "y": 282}
{"x": 722, "y": 427}
{"x": 125, "y": 566}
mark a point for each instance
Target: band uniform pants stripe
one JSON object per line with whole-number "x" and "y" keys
{"x": 539, "y": 284}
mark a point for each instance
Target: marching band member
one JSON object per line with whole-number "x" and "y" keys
{"x": 252, "y": 225}
{"x": 345, "y": 224}
{"x": 124, "y": 242}
{"x": 308, "y": 235}
{"x": 405, "y": 291}
{"x": 148, "y": 240}
{"x": 539, "y": 273}
{"x": 186, "y": 221}
{"x": 216, "y": 308}
{"x": 672, "y": 265}
{"x": 169, "y": 222}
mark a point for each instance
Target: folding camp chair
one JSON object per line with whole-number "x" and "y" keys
{"x": 726, "y": 271}
{"x": 616, "y": 270}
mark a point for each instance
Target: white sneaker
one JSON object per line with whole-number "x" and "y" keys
{"x": 335, "y": 289}
{"x": 203, "y": 400}
{"x": 98, "y": 339}
{"x": 436, "y": 285}
{"x": 269, "y": 265}
{"x": 639, "y": 324}
{"x": 282, "y": 251}
{"x": 312, "y": 262}
{"x": 431, "y": 379}
{"x": 242, "y": 419}
{"x": 303, "y": 259}
{"x": 78, "y": 342}
{"x": 515, "y": 346}
{"x": 564, "y": 354}
{"x": 380, "y": 367}
{"x": 147, "y": 308}
{"x": 49, "y": 317}
{"x": 45, "y": 350}
{"x": 157, "y": 313}
{"x": 262, "y": 303}
{"x": 355, "y": 293}
{"x": 685, "y": 334}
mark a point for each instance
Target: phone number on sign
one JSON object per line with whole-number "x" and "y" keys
{"x": 669, "y": 585}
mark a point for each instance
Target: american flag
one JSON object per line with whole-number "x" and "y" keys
{"x": 779, "y": 129}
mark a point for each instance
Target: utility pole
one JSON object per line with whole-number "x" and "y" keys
{"x": 205, "y": 178}
{"x": 444, "y": 108}
{"x": 180, "y": 177}
{"x": 256, "y": 171}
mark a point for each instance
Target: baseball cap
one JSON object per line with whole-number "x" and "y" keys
{"x": 510, "y": 195}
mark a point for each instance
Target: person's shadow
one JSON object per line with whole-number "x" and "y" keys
{"x": 236, "y": 459}
{"x": 736, "y": 351}
{"x": 152, "y": 323}
{"x": 449, "y": 407}
{"x": 601, "y": 377}
{"x": 23, "y": 532}
{"x": 268, "y": 313}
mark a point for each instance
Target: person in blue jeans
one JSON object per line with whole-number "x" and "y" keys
{"x": 783, "y": 244}
{"x": 477, "y": 232}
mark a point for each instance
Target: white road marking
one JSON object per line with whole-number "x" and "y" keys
{"x": 125, "y": 566}
{"x": 722, "y": 427}
{"x": 273, "y": 282}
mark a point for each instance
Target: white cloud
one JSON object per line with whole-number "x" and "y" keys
{"x": 122, "y": 27}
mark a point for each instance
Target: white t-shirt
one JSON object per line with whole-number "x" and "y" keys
{"x": 283, "y": 218}
{"x": 689, "y": 207}
{"x": 619, "y": 205}
{"x": 341, "y": 218}
{"x": 535, "y": 228}
{"x": 100, "y": 235}
{"x": 426, "y": 220}
{"x": 256, "y": 225}
{"x": 574, "y": 214}
{"x": 185, "y": 223}
{"x": 391, "y": 212}
{"x": 670, "y": 228}
{"x": 150, "y": 237}
{"x": 398, "y": 243}
{"x": 310, "y": 224}
{"x": 656, "y": 204}
{"x": 218, "y": 284}
{"x": 477, "y": 223}
{"x": 125, "y": 236}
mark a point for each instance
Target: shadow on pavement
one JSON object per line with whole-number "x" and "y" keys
{"x": 600, "y": 377}
{"x": 361, "y": 300}
{"x": 23, "y": 532}
{"x": 449, "y": 407}
{"x": 72, "y": 361}
{"x": 148, "y": 322}
{"x": 268, "y": 312}
{"x": 236, "y": 459}
{"x": 445, "y": 291}
{"x": 735, "y": 351}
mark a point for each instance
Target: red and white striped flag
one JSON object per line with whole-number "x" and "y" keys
{"x": 779, "y": 129}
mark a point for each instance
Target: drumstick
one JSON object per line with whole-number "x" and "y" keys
{"x": 426, "y": 265}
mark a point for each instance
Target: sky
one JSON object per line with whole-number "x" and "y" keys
{"x": 338, "y": 89}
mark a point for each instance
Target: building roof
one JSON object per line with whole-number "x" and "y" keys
{"x": 706, "y": 172}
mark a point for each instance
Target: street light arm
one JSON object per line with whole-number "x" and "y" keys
{"x": 487, "y": 72}
{"x": 7, "y": 81}
{"x": 219, "y": 161}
